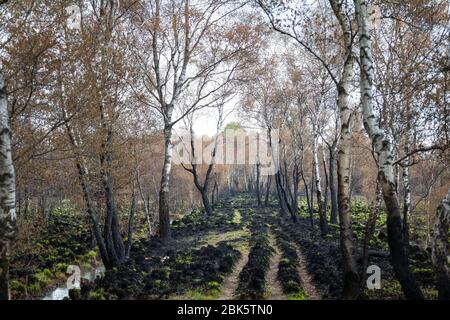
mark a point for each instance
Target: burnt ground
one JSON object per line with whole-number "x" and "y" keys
{"x": 242, "y": 251}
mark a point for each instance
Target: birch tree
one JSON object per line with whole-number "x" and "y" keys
{"x": 351, "y": 279}
{"x": 90, "y": 103}
{"x": 408, "y": 48}
{"x": 178, "y": 53}
{"x": 266, "y": 103}
{"x": 7, "y": 193}
{"x": 290, "y": 26}
{"x": 319, "y": 92}
{"x": 382, "y": 147}
{"x": 194, "y": 168}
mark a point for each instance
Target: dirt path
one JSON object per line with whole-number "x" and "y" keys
{"x": 307, "y": 283}
{"x": 231, "y": 282}
{"x": 273, "y": 286}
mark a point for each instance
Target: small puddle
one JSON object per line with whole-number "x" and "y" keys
{"x": 61, "y": 292}
{"x": 57, "y": 294}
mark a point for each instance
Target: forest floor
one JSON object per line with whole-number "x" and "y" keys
{"x": 241, "y": 251}
{"x": 231, "y": 254}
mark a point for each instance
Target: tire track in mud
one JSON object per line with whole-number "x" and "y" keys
{"x": 274, "y": 290}
{"x": 307, "y": 282}
{"x": 231, "y": 282}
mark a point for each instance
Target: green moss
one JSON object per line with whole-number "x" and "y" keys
{"x": 199, "y": 295}
{"x": 43, "y": 278}
{"x": 236, "y": 217}
{"x": 91, "y": 254}
{"x": 184, "y": 259}
{"x": 390, "y": 289}
{"x": 285, "y": 260}
{"x": 214, "y": 238}
{"x": 423, "y": 271}
{"x": 34, "y": 289}
{"x": 85, "y": 265}
{"x": 61, "y": 267}
{"x": 97, "y": 294}
{"x": 18, "y": 286}
{"x": 243, "y": 246}
{"x": 430, "y": 293}
{"x": 297, "y": 296}
{"x": 214, "y": 285}
{"x": 48, "y": 272}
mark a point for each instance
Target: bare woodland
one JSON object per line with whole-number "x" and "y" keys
{"x": 96, "y": 94}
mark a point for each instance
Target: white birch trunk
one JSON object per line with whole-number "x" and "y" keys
{"x": 350, "y": 268}
{"x": 382, "y": 147}
{"x": 7, "y": 194}
{"x": 316, "y": 162}
{"x": 405, "y": 179}
{"x": 322, "y": 212}
{"x": 164, "y": 193}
